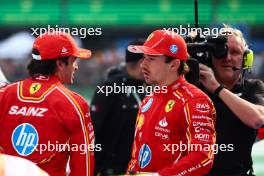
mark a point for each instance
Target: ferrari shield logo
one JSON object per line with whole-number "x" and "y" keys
{"x": 34, "y": 87}
{"x": 169, "y": 105}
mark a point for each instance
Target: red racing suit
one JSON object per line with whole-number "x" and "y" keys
{"x": 43, "y": 121}
{"x": 169, "y": 126}
{"x": 260, "y": 133}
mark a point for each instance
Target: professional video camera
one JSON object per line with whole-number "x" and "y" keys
{"x": 205, "y": 48}
{"x": 202, "y": 49}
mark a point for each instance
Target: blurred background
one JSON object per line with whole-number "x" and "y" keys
{"x": 119, "y": 22}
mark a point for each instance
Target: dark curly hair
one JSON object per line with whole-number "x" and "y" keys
{"x": 44, "y": 67}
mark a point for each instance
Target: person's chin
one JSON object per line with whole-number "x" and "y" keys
{"x": 148, "y": 81}
{"x": 226, "y": 75}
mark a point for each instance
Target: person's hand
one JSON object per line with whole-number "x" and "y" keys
{"x": 207, "y": 78}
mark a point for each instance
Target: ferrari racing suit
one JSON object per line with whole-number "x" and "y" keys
{"x": 174, "y": 132}
{"x": 43, "y": 121}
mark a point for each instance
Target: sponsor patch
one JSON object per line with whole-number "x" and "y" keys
{"x": 173, "y": 49}
{"x": 25, "y": 139}
{"x": 198, "y": 129}
{"x": 202, "y": 137}
{"x": 200, "y": 117}
{"x": 169, "y": 105}
{"x": 147, "y": 105}
{"x": 163, "y": 122}
{"x": 203, "y": 124}
{"x": 144, "y": 157}
{"x": 164, "y": 130}
{"x": 162, "y": 136}
{"x": 34, "y": 87}
{"x": 140, "y": 121}
{"x": 202, "y": 107}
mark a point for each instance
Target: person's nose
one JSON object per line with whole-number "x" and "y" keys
{"x": 143, "y": 63}
{"x": 228, "y": 57}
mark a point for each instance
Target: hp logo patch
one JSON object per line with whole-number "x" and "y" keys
{"x": 25, "y": 139}
{"x": 173, "y": 49}
{"x": 147, "y": 105}
{"x": 144, "y": 157}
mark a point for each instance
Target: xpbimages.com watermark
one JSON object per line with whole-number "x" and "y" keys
{"x": 182, "y": 147}
{"x": 123, "y": 89}
{"x": 59, "y": 147}
{"x": 82, "y": 32}
{"x": 213, "y": 32}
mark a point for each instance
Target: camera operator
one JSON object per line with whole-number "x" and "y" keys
{"x": 239, "y": 106}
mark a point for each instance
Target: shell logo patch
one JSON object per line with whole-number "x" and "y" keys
{"x": 34, "y": 87}
{"x": 169, "y": 105}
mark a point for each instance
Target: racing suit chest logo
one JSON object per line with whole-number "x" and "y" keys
{"x": 202, "y": 107}
{"x": 169, "y": 105}
{"x": 163, "y": 122}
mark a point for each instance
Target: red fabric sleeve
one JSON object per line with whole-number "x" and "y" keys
{"x": 261, "y": 133}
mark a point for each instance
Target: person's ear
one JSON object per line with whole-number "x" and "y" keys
{"x": 175, "y": 64}
{"x": 59, "y": 64}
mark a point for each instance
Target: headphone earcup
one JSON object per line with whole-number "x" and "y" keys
{"x": 248, "y": 59}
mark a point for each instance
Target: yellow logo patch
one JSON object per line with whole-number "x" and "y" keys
{"x": 169, "y": 105}
{"x": 34, "y": 87}
{"x": 140, "y": 121}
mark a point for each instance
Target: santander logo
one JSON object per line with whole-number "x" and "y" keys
{"x": 163, "y": 122}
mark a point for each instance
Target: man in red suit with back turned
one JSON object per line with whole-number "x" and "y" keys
{"x": 43, "y": 121}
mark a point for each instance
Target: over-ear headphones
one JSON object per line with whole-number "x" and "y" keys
{"x": 248, "y": 58}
